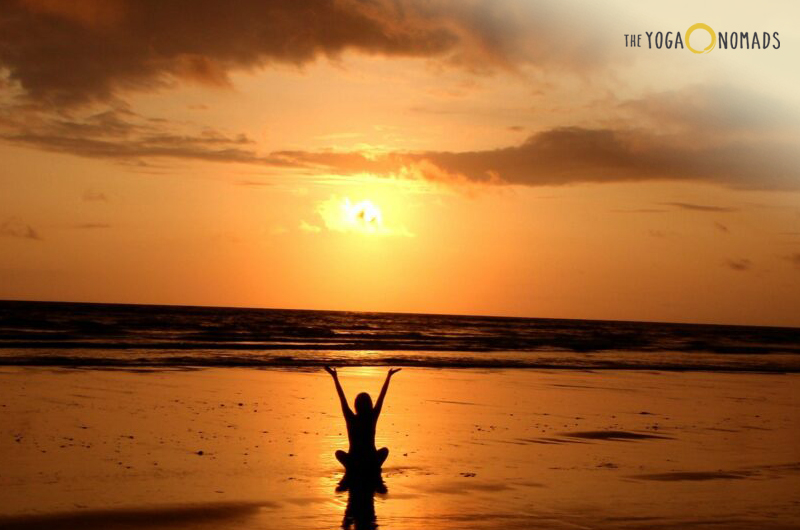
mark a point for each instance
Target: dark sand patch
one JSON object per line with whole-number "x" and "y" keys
{"x": 618, "y": 436}
{"x": 176, "y": 516}
{"x": 695, "y": 476}
{"x": 592, "y": 387}
{"x": 466, "y": 485}
{"x": 548, "y": 441}
{"x": 453, "y": 402}
{"x": 720, "y": 429}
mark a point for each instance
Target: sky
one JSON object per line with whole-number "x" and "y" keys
{"x": 502, "y": 157}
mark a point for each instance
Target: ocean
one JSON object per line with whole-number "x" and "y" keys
{"x": 139, "y": 336}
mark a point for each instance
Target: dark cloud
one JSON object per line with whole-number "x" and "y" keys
{"x": 626, "y": 151}
{"x": 700, "y": 207}
{"x": 62, "y": 54}
{"x": 94, "y": 196}
{"x": 15, "y": 227}
{"x": 72, "y": 52}
{"x": 121, "y": 134}
{"x": 91, "y": 226}
{"x": 555, "y": 157}
{"x": 794, "y": 259}
{"x": 573, "y": 154}
{"x": 253, "y": 183}
{"x": 641, "y": 210}
{"x": 741, "y": 264}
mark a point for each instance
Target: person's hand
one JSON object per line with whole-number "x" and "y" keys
{"x": 331, "y": 371}
{"x": 393, "y": 371}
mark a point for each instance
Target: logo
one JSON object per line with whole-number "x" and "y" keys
{"x": 710, "y": 31}
{"x": 722, "y": 40}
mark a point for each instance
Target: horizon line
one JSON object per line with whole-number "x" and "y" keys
{"x": 509, "y": 317}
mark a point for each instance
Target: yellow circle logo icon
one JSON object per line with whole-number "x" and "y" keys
{"x": 710, "y": 31}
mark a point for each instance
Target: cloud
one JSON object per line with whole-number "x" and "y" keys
{"x": 699, "y": 207}
{"x": 74, "y": 52}
{"x": 657, "y": 233}
{"x": 564, "y": 155}
{"x": 794, "y": 259}
{"x": 568, "y": 155}
{"x": 120, "y": 134}
{"x": 640, "y": 210}
{"x": 91, "y": 226}
{"x": 711, "y": 113}
{"x": 648, "y": 140}
{"x": 713, "y": 134}
{"x": 94, "y": 196}
{"x": 741, "y": 264}
{"x": 308, "y": 227}
{"x": 253, "y": 183}
{"x": 14, "y": 227}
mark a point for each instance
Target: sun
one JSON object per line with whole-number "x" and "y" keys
{"x": 363, "y": 216}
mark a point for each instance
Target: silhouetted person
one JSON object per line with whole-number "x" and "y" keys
{"x": 362, "y": 460}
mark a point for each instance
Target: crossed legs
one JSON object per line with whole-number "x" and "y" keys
{"x": 348, "y": 460}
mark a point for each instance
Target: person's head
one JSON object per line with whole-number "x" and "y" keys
{"x": 363, "y": 404}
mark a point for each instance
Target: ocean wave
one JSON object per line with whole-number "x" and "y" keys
{"x": 71, "y": 334}
{"x": 767, "y": 364}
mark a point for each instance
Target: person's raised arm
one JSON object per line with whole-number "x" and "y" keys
{"x": 343, "y": 400}
{"x": 379, "y": 404}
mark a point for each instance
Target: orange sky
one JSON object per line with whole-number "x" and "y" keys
{"x": 495, "y": 157}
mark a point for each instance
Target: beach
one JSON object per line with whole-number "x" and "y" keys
{"x": 469, "y": 448}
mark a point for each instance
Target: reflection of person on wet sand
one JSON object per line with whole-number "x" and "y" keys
{"x": 362, "y": 458}
{"x": 360, "y": 511}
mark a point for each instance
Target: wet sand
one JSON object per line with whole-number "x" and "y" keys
{"x": 253, "y": 449}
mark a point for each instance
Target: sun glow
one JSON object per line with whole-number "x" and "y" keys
{"x": 364, "y": 215}
{"x": 346, "y": 216}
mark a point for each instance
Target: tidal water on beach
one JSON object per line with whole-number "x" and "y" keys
{"x": 80, "y": 334}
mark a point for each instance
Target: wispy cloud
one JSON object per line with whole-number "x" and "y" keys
{"x": 121, "y": 134}
{"x": 739, "y": 264}
{"x": 91, "y": 226}
{"x": 794, "y": 259}
{"x": 254, "y": 183}
{"x": 700, "y": 207}
{"x": 722, "y": 228}
{"x": 640, "y": 210}
{"x": 554, "y": 157}
{"x": 660, "y": 234}
{"x": 15, "y": 227}
{"x": 94, "y": 196}
{"x": 308, "y": 227}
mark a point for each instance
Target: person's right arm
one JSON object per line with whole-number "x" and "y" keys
{"x": 342, "y": 399}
